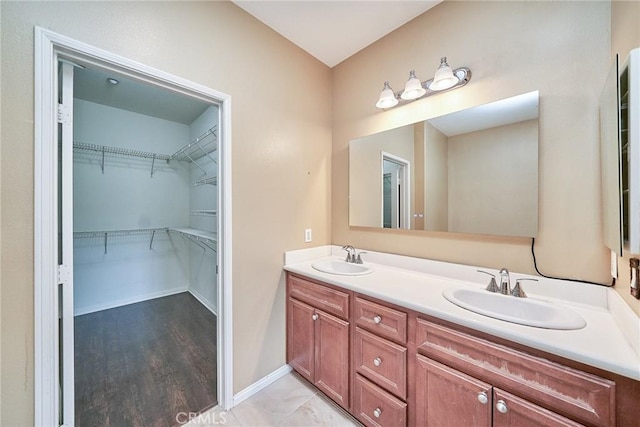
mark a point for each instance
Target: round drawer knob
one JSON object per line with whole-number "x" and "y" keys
{"x": 502, "y": 407}
{"x": 483, "y": 398}
{"x": 314, "y": 317}
{"x": 377, "y": 361}
{"x": 377, "y": 320}
{"x": 377, "y": 412}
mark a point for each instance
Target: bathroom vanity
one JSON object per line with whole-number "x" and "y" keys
{"x": 391, "y": 350}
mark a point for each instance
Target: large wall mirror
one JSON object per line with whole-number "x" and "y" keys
{"x": 472, "y": 171}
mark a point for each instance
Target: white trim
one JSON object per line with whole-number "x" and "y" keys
{"x": 48, "y": 45}
{"x": 45, "y": 225}
{"x": 130, "y": 300}
{"x": 202, "y": 300}
{"x": 260, "y": 384}
{"x": 65, "y": 275}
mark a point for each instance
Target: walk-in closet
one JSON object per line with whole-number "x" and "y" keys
{"x": 145, "y": 174}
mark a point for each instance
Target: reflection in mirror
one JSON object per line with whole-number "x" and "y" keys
{"x": 610, "y": 160}
{"x": 472, "y": 171}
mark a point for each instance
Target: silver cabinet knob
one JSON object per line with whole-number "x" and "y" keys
{"x": 314, "y": 317}
{"x": 377, "y": 319}
{"x": 501, "y": 406}
{"x": 377, "y": 412}
{"x": 377, "y": 361}
{"x": 483, "y": 398}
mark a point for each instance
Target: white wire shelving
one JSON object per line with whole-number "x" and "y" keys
{"x": 103, "y": 151}
{"x": 200, "y": 237}
{"x": 204, "y": 212}
{"x": 106, "y": 234}
{"x": 212, "y": 180}
{"x": 204, "y": 145}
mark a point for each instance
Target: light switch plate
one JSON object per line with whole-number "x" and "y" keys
{"x": 307, "y": 235}
{"x": 614, "y": 265}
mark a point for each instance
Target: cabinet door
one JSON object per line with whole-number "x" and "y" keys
{"x": 300, "y": 342}
{"x": 510, "y": 410}
{"x": 332, "y": 357}
{"x": 446, "y": 397}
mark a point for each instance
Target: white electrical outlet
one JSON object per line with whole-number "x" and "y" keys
{"x": 614, "y": 265}
{"x": 307, "y": 235}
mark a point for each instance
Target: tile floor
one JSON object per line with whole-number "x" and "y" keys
{"x": 290, "y": 402}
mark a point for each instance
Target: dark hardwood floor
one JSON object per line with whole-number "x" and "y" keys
{"x": 142, "y": 364}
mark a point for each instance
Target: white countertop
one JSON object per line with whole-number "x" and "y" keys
{"x": 609, "y": 341}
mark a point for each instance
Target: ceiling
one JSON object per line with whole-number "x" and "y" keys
{"x": 91, "y": 85}
{"x": 332, "y": 31}
{"x": 500, "y": 113}
{"x": 329, "y": 30}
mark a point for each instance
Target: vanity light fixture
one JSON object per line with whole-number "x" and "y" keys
{"x": 445, "y": 79}
{"x": 387, "y": 98}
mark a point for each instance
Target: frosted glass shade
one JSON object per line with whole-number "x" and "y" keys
{"x": 387, "y": 97}
{"x": 413, "y": 89}
{"x": 444, "y": 78}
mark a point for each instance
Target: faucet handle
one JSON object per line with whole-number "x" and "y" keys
{"x": 518, "y": 291}
{"x": 492, "y": 286}
{"x": 359, "y": 258}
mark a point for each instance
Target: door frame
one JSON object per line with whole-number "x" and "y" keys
{"x": 49, "y": 46}
{"x": 405, "y": 193}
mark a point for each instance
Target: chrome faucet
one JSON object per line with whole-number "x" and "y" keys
{"x": 351, "y": 253}
{"x": 505, "y": 282}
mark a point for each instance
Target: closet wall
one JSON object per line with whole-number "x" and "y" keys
{"x": 121, "y": 197}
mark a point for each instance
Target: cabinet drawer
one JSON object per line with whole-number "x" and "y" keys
{"x": 321, "y": 297}
{"x": 576, "y": 394}
{"x": 375, "y": 407}
{"x": 381, "y": 361}
{"x": 521, "y": 413}
{"x": 381, "y": 320}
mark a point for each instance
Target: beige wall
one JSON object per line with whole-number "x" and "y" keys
{"x": 561, "y": 49}
{"x": 496, "y": 164}
{"x": 281, "y": 158}
{"x": 365, "y": 182}
{"x": 625, "y": 36}
{"x": 436, "y": 208}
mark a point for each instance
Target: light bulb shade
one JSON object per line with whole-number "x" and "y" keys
{"x": 387, "y": 97}
{"x": 444, "y": 78}
{"x": 413, "y": 89}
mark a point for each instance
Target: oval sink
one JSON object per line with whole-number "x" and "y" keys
{"x": 524, "y": 311}
{"x": 342, "y": 268}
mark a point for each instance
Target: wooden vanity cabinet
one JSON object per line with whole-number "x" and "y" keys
{"x": 447, "y": 397}
{"x": 318, "y": 341}
{"x": 521, "y": 387}
{"x": 393, "y": 367}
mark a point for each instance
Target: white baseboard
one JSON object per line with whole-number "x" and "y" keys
{"x": 197, "y": 295}
{"x": 260, "y": 384}
{"x": 126, "y": 301}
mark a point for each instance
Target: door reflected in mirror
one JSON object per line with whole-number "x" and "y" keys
{"x": 472, "y": 171}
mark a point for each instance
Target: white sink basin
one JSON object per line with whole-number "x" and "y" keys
{"x": 524, "y": 311}
{"x": 342, "y": 268}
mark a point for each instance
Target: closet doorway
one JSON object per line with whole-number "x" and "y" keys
{"x": 142, "y": 201}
